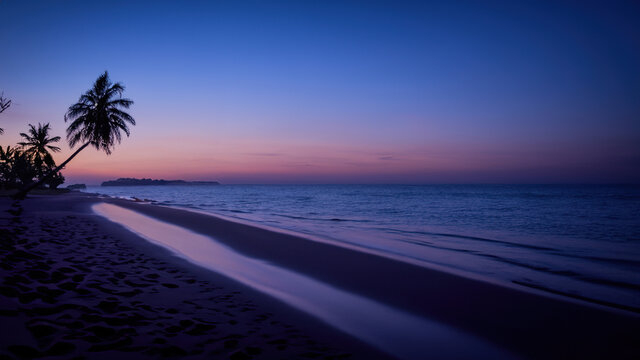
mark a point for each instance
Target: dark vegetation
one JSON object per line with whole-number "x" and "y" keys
{"x": 96, "y": 120}
{"x": 4, "y": 105}
{"x": 30, "y": 159}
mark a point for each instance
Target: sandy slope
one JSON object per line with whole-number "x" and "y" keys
{"x": 73, "y": 284}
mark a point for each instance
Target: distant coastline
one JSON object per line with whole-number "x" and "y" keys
{"x": 161, "y": 182}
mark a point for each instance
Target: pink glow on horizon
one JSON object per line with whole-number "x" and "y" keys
{"x": 339, "y": 92}
{"x": 321, "y": 152}
{"x": 255, "y": 161}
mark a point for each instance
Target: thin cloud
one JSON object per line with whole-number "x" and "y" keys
{"x": 266, "y": 154}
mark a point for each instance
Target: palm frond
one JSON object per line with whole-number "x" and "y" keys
{"x": 98, "y": 117}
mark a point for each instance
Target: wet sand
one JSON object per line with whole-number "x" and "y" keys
{"x": 76, "y": 284}
{"x": 526, "y": 322}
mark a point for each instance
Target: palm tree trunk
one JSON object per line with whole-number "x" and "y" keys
{"x": 23, "y": 192}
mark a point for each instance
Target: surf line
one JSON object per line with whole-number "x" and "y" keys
{"x": 391, "y": 330}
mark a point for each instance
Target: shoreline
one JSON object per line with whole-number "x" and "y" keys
{"x": 389, "y": 329}
{"x": 486, "y": 309}
{"x": 594, "y": 265}
{"x": 515, "y": 284}
{"x": 176, "y": 309}
{"x": 507, "y": 317}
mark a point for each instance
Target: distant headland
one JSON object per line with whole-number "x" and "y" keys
{"x": 141, "y": 182}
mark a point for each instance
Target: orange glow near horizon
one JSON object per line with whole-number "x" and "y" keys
{"x": 220, "y": 153}
{"x": 261, "y": 161}
{"x": 338, "y": 92}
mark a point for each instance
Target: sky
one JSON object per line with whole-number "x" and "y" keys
{"x": 338, "y": 91}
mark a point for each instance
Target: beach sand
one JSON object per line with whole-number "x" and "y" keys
{"x": 76, "y": 284}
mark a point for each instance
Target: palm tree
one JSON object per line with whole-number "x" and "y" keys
{"x": 37, "y": 145}
{"x": 7, "y": 159}
{"x": 96, "y": 119}
{"x": 6, "y": 154}
{"x": 15, "y": 165}
{"x": 4, "y": 105}
{"x": 23, "y": 168}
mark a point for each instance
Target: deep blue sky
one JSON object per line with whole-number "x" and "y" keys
{"x": 339, "y": 91}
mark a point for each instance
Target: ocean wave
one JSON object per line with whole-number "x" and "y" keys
{"x": 586, "y": 236}
{"x": 239, "y": 211}
{"x": 467, "y": 237}
{"x": 577, "y": 296}
{"x": 320, "y": 219}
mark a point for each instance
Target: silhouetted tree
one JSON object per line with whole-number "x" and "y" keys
{"x": 37, "y": 145}
{"x": 55, "y": 180}
{"x": 17, "y": 168}
{"x": 23, "y": 168}
{"x": 96, "y": 119}
{"x": 4, "y": 105}
{"x": 8, "y": 177}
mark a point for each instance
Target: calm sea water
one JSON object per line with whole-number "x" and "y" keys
{"x": 581, "y": 241}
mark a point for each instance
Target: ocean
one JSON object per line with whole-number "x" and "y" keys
{"x": 577, "y": 241}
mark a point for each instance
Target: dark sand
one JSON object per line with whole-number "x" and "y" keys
{"x": 75, "y": 283}
{"x": 527, "y": 322}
